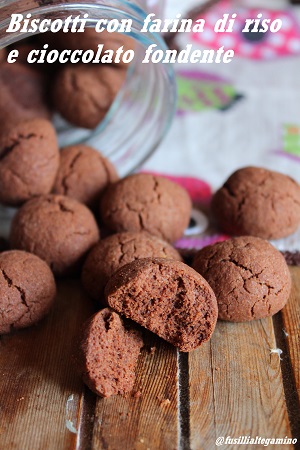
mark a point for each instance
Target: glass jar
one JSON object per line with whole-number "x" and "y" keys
{"x": 143, "y": 109}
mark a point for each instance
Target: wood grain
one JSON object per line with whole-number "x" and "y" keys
{"x": 236, "y": 386}
{"x": 232, "y": 386}
{"x": 40, "y": 393}
{"x": 291, "y": 323}
{"x": 148, "y": 421}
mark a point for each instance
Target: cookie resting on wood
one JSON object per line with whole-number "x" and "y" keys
{"x": 249, "y": 276}
{"x": 27, "y": 290}
{"x": 107, "y": 354}
{"x": 166, "y": 297}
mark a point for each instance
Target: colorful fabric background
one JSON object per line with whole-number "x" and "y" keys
{"x": 238, "y": 114}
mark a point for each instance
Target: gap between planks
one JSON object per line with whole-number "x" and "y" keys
{"x": 35, "y": 412}
{"x": 183, "y": 401}
{"x": 283, "y": 371}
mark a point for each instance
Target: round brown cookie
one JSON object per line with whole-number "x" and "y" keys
{"x": 149, "y": 203}
{"x": 27, "y": 290}
{"x": 107, "y": 355}
{"x": 83, "y": 94}
{"x": 168, "y": 298}
{"x": 249, "y": 276}
{"x": 29, "y": 160}
{"x": 114, "y": 252}
{"x": 23, "y": 93}
{"x": 83, "y": 174}
{"x": 58, "y": 229}
{"x": 258, "y": 202}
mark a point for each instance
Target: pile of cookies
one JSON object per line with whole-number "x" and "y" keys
{"x": 81, "y": 93}
{"x": 130, "y": 269}
{"x": 66, "y": 196}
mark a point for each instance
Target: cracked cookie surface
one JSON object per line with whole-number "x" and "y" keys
{"x": 107, "y": 354}
{"x": 83, "y": 94}
{"x": 258, "y": 202}
{"x": 83, "y": 174}
{"x": 116, "y": 251}
{"x": 27, "y": 290}
{"x": 168, "y": 298}
{"x": 249, "y": 276}
{"x": 145, "y": 202}
{"x": 29, "y": 159}
{"x": 56, "y": 228}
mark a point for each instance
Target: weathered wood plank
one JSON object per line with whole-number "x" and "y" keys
{"x": 40, "y": 394}
{"x": 236, "y": 386}
{"x": 146, "y": 421}
{"x": 291, "y": 323}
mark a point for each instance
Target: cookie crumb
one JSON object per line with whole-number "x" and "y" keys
{"x": 152, "y": 350}
{"x": 165, "y": 402}
{"x": 137, "y": 394}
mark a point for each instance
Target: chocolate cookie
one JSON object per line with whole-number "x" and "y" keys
{"x": 107, "y": 355}
{"x": 114, "y": 252}
{"x": 58, "y": 229}
{"x": 27, "y": 290}
{"x": 166, "y": 297}
{"x": 29, "y": 160}
{"x": 83, "y": 94}
{"x": 83, "y": 174}
{"x": 258, "y": 202}
{"x": 149, "y": 203}
{"x": 23, "y": 93}
{"x": 249, "y": 276}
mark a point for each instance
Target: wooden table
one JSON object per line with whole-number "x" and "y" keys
{"x": 232, "y": 386}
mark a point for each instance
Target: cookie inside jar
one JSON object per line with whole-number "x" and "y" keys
{"x": 89, "y": 74}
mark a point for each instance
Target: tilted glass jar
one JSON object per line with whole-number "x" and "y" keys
{"x": 143, "y": 109}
